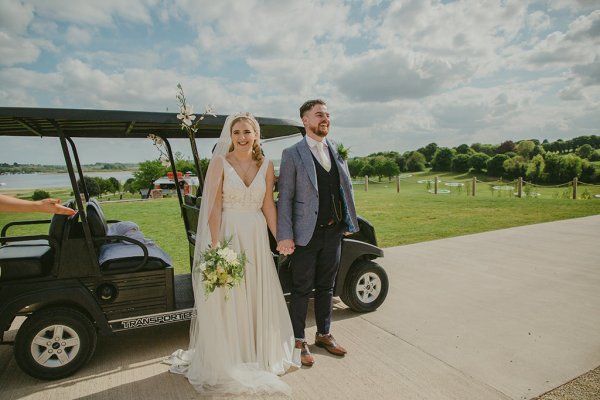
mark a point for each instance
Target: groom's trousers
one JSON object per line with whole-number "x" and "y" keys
{"x": 315, "y": 266}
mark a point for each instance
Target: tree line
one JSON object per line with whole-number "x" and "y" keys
{"x": 16, "y": 168}
{"x": 545, "y": 162}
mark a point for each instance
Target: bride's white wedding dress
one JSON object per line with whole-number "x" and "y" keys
{"x": 245, "y": 341}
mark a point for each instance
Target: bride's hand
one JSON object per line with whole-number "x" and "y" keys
{"x": 286, "y": 247}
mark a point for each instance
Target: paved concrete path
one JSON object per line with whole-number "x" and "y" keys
{"x": 508, "y": 314}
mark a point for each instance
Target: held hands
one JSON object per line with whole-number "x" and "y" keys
{"x": 286, "y": 247}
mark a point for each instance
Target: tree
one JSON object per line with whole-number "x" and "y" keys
{"x": 525, "y": 148}
{"x": 104, "y": 184}
{"x": 478, "y": 161}
{"x": 115, "y": 184}
{"x": 415, "y": 162}
{"x": 388, "y": 168}
{"x": 442, "y": 159}
{"x": 128, "y": 186}
{"x": 91, "y": 184}
{"x": 495, "y": 165}
{"x": 515, "y": 167}
{"x": 378, "y": 164}
{"x": 595, "y": 156}
{"x": 589, "y": 174}
{"x": 401, "y": 162}
{"x": 585, "y": 151}
{"x": 355, "y": 165}
{"x": 428, "y": 151}
{"x": 367, "y": 170}
{"x": 535, "y": 169}
{"x": 147, "y": 173}
{"x": 489, "y": 149}
{"x": 460, "y": 163}
{"x": 506, "y": 147}
{"x": 538, "y": 149}
{"x": 463, "y": 149}
{"x": 552, "y": 167}
{"x": 570, "y": 167}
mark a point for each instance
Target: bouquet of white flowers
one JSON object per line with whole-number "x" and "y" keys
{"x": 221, "y": 267}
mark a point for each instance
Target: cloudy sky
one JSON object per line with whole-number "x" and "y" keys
{"x": 397, "y": 75}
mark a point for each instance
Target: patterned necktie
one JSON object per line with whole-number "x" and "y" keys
{"x": 323, "y": 159}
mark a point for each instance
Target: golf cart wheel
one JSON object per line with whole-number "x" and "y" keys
{"x": 54, "y": 343}
{"x": 366, "y": 286}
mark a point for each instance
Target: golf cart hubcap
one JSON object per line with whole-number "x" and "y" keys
{"x": 55, "y": 346}
{"x": 368, "y": 287}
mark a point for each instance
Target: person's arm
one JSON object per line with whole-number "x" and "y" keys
{"x": 12, "y": 204}
{"x": 268, "y": 207}
{"x": 286, "y": 185}
{"x": 214, "y": 217}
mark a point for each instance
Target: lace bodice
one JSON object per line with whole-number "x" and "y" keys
{"x": 238, "y": 196}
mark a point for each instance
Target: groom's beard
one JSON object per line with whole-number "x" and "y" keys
{"x": 319, "y": 130}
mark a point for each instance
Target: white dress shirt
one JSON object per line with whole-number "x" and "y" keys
{"x": 312, "y": 143}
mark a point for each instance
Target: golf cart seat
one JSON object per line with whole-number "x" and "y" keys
{"x": 32, "y": 255}
{"x": 121, "y": 246}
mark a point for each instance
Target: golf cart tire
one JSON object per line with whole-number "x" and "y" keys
{"x": 74, "y": 346}
{"x": 366, "y": 286}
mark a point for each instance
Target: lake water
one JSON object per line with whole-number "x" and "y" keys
{"x": 40, "y": 181}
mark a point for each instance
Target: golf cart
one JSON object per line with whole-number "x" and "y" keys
{"x": 87, "y": 277}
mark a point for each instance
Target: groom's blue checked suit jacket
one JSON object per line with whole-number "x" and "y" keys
{"x": 298, "y": 202}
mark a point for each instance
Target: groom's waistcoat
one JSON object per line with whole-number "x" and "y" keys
{"x": 328, "y": 184}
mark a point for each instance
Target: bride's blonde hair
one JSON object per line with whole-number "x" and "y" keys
{"x": 256, "y": 150}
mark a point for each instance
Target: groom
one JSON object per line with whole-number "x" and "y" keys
{"x": 315, "y": 209}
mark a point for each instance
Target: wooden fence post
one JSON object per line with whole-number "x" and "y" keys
{"x": 397, "y": 183}
{"x": 366, "y": 183}
{"x": 575, "y": 188}
{"x": 520, "y": 187}
{"x": 435, "y": 185}
{"x": 473, "y": 186}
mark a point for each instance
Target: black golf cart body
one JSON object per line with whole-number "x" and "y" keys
{"x": 69, "y": 295}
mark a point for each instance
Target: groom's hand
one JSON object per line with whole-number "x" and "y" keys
{"x": 286, "y": 247}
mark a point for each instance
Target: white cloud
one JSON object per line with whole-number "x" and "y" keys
{"x": 77, "y": 36}
{"x": 384, "y": 75}
{"x": 95, "y": 13}
{"x": 573, "y": 5}
{"x": 579, "y": 45}
{"x": 538, "y": 21}
{"x": 15, "y": 16}
{"x": 268, "y": 28}
{"x": 15, "y": 50}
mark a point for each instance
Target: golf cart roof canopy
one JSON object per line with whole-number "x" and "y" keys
{"x": 45, "y": 122}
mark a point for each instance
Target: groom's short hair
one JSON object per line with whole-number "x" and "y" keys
{"x": 310, "y": 104}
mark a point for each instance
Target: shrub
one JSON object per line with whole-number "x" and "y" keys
{"x": 39, "y": 194}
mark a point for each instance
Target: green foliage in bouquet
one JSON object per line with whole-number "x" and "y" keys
{"x": 221, "y": 267}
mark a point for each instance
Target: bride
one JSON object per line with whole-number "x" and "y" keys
{"x": 238, "y": 344}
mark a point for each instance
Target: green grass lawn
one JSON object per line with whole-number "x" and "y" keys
{"x": 410, "y": 216}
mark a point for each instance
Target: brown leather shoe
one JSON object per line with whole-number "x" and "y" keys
{"x": 305, "y": 357}
{"x": 328, "y": 343}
